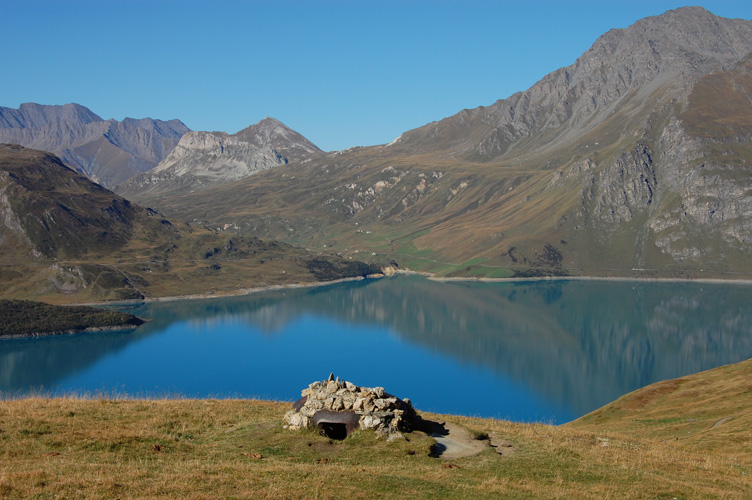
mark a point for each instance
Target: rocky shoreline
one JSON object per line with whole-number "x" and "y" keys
{"x": 594, "y": 278}
{"x": 93, "y": 329}
{"x": 236, "y": 293}
{"x": 25, "y": 318}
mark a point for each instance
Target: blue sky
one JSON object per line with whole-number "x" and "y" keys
{"x": 342, "y": 73}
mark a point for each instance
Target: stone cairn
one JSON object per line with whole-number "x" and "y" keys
{"x": 339, "y": 407}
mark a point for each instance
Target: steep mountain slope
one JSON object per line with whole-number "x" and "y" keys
{"x": 59, "y": 213}
{"x": 620, "y": 72}
{"x": 65, "y": 238}
{"x": 108, "y": 151}
{"x": 203, "y": 159}
{"x": 636, "y": 159}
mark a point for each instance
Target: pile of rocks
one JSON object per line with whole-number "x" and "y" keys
{"x": 339, "y": 407}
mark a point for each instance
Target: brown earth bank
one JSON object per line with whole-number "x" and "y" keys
{"x": 685, "y": 438}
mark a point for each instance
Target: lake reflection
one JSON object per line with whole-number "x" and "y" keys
{"x": 535, "y": 351}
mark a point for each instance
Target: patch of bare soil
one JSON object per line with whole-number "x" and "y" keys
{"x": 454, "y": 441}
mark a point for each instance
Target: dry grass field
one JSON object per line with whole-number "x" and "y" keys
{"x": 684, "y": 439}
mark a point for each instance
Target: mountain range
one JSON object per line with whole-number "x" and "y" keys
{"x": 633, "y": 160}
{"x": 107, "y": 151}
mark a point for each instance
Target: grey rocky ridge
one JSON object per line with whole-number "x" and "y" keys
{"x": 339, "y": 407}
{"x": 203, "y": 159}
{"x": 107, "y": 151}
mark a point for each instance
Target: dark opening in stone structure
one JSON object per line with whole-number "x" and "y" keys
{"x": 336, "y": 425}
{"x": 333, "y": 430}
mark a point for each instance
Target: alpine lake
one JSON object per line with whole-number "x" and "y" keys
{"x": 535, "y": 351}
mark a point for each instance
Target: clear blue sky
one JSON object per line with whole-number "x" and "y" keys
{"x": 342, "y": 73}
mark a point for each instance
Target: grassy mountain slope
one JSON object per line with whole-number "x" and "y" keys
{"x": 632, "y": 161}
{"x": 706, "y": 411}
{"x": 66, "y": 239}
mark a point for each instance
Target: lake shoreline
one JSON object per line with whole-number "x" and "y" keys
{"x": 217, "y": 295}
{"x": 93, "y": 329}
{"x": 716, "y": 281}
{"x": 28, "y": 319}
{"x": 511, "y": 329}
{"x": 407, "y": 272}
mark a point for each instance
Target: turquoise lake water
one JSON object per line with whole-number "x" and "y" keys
{"x": 531, "y": 351}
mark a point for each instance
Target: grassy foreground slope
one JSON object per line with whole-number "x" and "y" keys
{"x": 238, "y": 449}
{"x": 704, "y": 412}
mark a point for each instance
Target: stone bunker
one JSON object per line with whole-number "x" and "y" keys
{"x": 338, "y": 408}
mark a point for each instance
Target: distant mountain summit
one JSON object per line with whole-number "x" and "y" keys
{"x": 199, "y": 160}
{"x": 32, "y": 115}
{"x": 203, "y": 159}
{"x": 107, "y": 151}
{"x": 275, "y": 134}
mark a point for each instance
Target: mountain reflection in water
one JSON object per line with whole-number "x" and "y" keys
{"x": 550, "y": 350}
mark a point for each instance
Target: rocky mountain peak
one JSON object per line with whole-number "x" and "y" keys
{"x": 271, "y": 132}
{"x": 669, "y": 50}
{"x": 202, "y": 159}
{"x": 690, "y": 40}
{"x": 633, "y": 160}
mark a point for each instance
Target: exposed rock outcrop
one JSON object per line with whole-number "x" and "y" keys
{"x": 201, "y": 159}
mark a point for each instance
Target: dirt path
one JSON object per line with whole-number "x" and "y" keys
{"x": 720, "y": 422}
